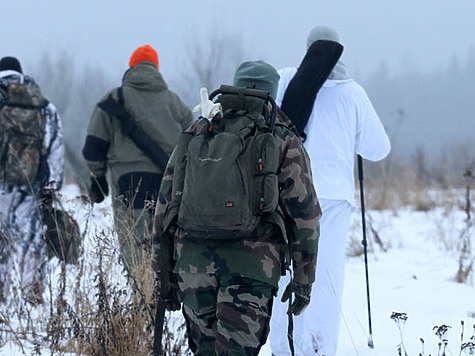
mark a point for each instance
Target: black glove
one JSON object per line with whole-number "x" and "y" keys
{"x": 301, "y": 296}
{"x": 47, "y": 199}
{"x": 172, "y": 300}
{"x": 98, "y": 189}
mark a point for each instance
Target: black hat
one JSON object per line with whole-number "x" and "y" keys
{"x": 10, "y": 63}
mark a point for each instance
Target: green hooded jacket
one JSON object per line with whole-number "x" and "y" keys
{"x": 159, "y": 111}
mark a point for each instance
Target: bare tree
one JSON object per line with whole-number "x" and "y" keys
{"x": 55, "y": 76}
{"x": 210, "y": 61}
{"x": 74, "y": 94}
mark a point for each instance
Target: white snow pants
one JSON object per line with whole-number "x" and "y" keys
{"x": 23, "y": 251}
{"x": 317, "y": 328}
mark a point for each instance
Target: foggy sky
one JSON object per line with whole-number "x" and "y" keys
{"x": 405, "y": 34}
{"x": 404, "y": 39}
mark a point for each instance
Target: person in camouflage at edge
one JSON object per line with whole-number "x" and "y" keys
{"x": 21, "y": 203}
{"x": 227, "y": 287}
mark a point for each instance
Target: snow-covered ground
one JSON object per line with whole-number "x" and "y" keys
{"x": 415, "y": 275}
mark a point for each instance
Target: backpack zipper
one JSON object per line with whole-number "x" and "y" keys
{"x": 241, "y": 176}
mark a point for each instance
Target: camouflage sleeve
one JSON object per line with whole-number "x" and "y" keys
{"x": 164, "y": 197}
{"x": 97, "y": 142}
{"x": 165, "y": 194}
{"x": 54, "y": 148}
{"x": 300, "y": 206}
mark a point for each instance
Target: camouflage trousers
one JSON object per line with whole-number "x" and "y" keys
{"x": 227, "y": 314}
{"x": 23, "y": 254}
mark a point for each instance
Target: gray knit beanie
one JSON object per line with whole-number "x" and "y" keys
{"x": 257, "y": 75}
{"x": 322, "y": 33}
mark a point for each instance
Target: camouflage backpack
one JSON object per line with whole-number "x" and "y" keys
{"x": 226, "y": 173}
{"x": 22, "y": 130}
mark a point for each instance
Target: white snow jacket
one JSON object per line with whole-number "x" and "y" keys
{"x": 343, "y": 122}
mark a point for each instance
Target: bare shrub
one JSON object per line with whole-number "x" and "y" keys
{"x": 392, "y": 185}
{"x": 401, "y": 180}
{"x": 74, "y": 91}
{"x": 92, "y": 308}
{"x": 355, "y": 247}
{"x": 467, "y": 347}
{"x": 209, "y": 62}
{"x": 466, "y": 258}
{"x": 400, "y": 320}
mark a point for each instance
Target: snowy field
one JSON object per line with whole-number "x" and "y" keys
{"x": 415, "y": 275}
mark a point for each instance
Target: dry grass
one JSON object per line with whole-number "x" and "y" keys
{"x": 467, "y": 257}
{"x": 397, "y": 183}
{"x": 92, "y": 308}
{"x": 466, "y": 346}
{"x": 388, "y": 191}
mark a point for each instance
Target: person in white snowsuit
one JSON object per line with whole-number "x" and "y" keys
{"x": 23, "y": 254}
{"x": 343, "y": 122}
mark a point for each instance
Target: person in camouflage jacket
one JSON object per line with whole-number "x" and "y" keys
{"x": 227, "y": 286}
{"x": 21, "y": 230}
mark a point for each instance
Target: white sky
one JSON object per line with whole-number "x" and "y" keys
{"x": 404, "y": 33}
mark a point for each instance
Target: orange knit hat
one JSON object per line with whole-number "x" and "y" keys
{"x": 144, "y": 53}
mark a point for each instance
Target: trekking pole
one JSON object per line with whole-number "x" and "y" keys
{"x": 365, "y": 248}
{"x": 166, "y": 251}
{"x": 158, "y": 333}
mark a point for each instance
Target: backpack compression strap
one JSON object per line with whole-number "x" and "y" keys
{"x": 255, "y": 93}
{"x": 314, "y": 70}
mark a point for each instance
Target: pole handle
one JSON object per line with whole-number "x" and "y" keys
{"x": 360, "y": 168}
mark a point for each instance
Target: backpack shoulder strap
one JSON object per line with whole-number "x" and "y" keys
{"x": 120, "y": 94}
{"x": 3, "y": 97}
{"x": 128, "y": 126}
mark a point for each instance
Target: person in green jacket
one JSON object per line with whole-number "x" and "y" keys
{"x": 133, "y": 177}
